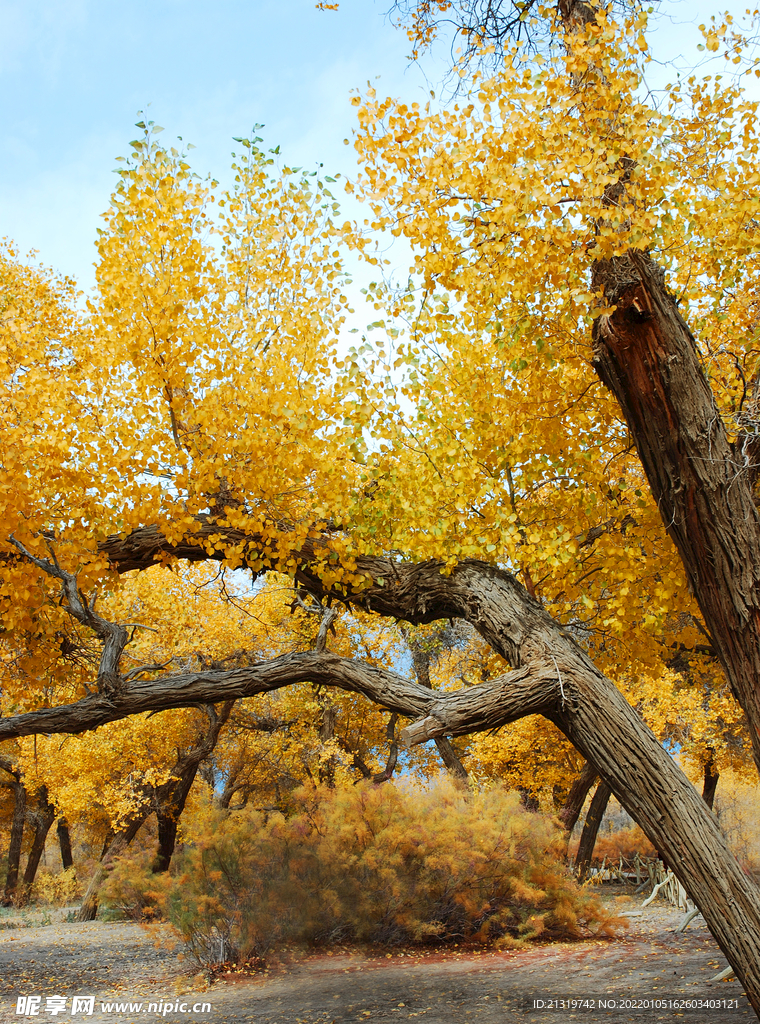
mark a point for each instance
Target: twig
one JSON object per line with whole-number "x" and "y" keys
{"x": 146, "y": 668}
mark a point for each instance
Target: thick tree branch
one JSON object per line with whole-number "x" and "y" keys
{"x": 486, "y": 706}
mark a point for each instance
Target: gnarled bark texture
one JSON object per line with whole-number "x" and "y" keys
{"x": 645, "y": 354}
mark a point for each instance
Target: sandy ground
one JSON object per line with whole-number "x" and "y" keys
{"x": 647, "y": 974}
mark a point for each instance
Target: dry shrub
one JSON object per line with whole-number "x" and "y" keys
{"x": 737, "y": 805}
{"x": 56, "y": 890}
{"x": 131, "y": 890}
{"x": 625, "y": 843}
{"x": 376, "y": 864}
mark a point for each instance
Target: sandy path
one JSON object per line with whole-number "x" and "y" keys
{"x": 118, "y": 963}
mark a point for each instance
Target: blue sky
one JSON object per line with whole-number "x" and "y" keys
{"x": 74, "y": 73}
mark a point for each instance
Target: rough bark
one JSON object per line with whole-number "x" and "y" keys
{"x": 710, "y": 784}
{"x": 42, "y": 818}
{"x": 17, "y": 835}
{"x": 576, "y": 797}
{"x": 451, "y": 759}
{"x": 591, "y": 830}
{"x": 500, "y": 700}
{"x": 645, "y": 354}
{"x": 64, "y": 842}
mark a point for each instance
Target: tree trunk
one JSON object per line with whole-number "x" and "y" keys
{"x": 171, "y": 800}
{"x": 390, "y": 765}
{"x": 64, "y": 841}
{"x": 657, "y": 795}
{"x": 44, "y": 817}
{"x": 711, "y": 781}
{"x": 591, "y": 830}
{"x": 329, "y": 717}
{"x": 528, "y": 799}
{"x": 702, "y": 483}
{"x": 167, "y": 840}
{"x": 552, "y": 676}
{"x": 171, "y": 797}
{"x": 451, "y": 760}
{"x": 573, "y": 805}
{"x": 17, "y": 836}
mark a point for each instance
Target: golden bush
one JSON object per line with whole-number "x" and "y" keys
{"x": 385, "y": 864}
{"x": 56, "y": 890}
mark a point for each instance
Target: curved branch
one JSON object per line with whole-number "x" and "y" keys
{"x": 113, "y": 636}
{"x": 486, "y": 706}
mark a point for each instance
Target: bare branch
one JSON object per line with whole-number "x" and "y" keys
{"x": 327, "y": 620}
{"x": 134, "y": 672}
{"x": 479, "y": 707}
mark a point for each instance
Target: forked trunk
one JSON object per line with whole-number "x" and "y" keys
{"x": 576, "y": 797}
{"x": 591, "y": 830}
{"x": 89, "y": 909}
{"x": 44, "y": 817}
{"x": 170, "y": 800}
